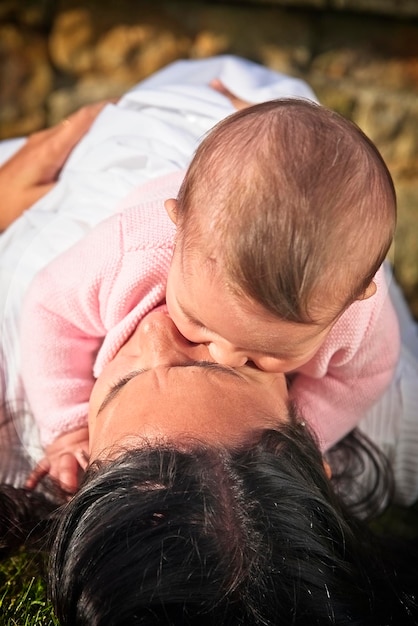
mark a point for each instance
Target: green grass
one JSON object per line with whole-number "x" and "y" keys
{"x": 23, "y": 600}
{"x": 399, "y": 521}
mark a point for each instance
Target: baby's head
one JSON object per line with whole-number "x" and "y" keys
{"x": 285, "y": 215}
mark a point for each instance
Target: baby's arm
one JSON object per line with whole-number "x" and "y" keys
{"x": 352, "y": 369}
{"x": 95, "y": 292}
{"x": 62, "y": 329}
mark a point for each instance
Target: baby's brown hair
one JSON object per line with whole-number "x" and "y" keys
{"x": 296, "y": 204}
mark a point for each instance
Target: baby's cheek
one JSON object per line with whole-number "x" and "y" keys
{"x": 189, "y": 331}
{"x": 273, "y": 365}
{"x": 193, "y": 335}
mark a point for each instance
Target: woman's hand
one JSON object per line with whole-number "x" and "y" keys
{"x": 33, "y": 170}
{"x": 236, "y": 102}
{"x": 63, "y": 460}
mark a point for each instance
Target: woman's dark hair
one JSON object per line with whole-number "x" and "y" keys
{"x": 25, "y": 517}
{"x": 254, "y": 536}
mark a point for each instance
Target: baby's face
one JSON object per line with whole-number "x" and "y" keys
{"x": 235, "y": 329}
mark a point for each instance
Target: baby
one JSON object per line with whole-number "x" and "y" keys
{"x": 278, "y": 259}
{"x": 283, "y": 221}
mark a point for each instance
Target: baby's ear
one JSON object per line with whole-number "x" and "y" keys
{"x": 368, "y": 292}
{"x": 170, "y": 206}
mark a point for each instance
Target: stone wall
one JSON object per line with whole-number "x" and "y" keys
{"x": 360, "y": 56}
{"x": 396, "y": 8}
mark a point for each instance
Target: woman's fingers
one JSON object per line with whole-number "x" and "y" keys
{"x": 53, "y": 146}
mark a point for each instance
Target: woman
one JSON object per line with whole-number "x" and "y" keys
{"x": 214, "y": 513}
{"x": 166, "y": 529}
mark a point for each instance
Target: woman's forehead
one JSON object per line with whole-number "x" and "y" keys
{"x": 209, "y": 402}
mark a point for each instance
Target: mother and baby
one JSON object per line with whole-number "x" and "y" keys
{"x": 203, "y": 352}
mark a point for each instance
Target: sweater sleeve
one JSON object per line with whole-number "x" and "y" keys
{"x": 84, "y": 305}
{"x": 62, "y": 328}
{"x": 352, "y": 369}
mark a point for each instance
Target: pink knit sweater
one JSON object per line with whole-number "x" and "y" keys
{"x": 85, "y": 304}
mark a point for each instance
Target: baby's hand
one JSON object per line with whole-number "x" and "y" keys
{"x": 63, "y": 460}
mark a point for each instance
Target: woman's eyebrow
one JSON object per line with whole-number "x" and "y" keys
{"x": 116, "y": 388}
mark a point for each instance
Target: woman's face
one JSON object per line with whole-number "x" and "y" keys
{"x": 161, "y": 386}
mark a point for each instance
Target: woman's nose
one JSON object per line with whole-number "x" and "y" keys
{"x": 163, "y": 344}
